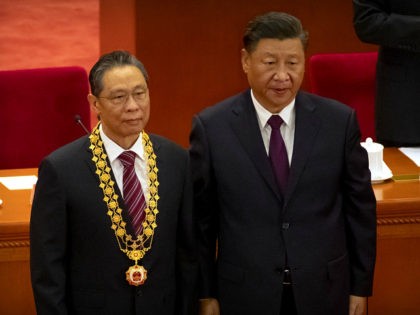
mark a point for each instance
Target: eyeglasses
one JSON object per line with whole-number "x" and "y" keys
{"x": 122, "y": 98}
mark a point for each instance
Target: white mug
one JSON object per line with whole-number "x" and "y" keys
{"x": 375, "y": 154}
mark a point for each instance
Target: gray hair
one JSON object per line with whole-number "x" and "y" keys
{"x": 108, "y": 61}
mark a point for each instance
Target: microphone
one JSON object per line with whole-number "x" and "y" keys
{"x": 78, "y": 120}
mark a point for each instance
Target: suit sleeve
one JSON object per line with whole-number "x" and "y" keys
{"x": 360, "y": 213}
{"x": 205, "y": 206}
{"x": 48, "y": 243}
{"x": 375, "y": 23}
{"x": 187, "y": 261}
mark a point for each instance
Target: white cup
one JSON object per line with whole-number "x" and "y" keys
{"x": 375, "y": 154}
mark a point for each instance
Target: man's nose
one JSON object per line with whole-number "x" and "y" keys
{"x": 281, "y": 74}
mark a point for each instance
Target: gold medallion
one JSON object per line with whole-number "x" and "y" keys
{"x": 134, "y": 246}
{"x": 136, "y": 275}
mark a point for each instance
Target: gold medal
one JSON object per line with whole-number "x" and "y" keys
{"x": 135, "y": 247}
{"x": 136, "y": 275}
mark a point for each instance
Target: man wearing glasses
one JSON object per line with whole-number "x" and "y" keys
{"x": 111, "y": 224}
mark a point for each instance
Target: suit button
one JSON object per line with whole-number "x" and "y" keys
{"x": 285, "y": 225}
{"x": 139, "y": 293}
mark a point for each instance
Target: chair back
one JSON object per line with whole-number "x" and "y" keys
{"x": 349, "y": 78}
{"x": 38, "y": 108}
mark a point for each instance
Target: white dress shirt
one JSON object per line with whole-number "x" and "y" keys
{"x": 113, "y": 151}
{"x": 287, "y": 128}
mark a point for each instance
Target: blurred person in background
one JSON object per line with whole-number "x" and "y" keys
{"x": 394, "y": 25}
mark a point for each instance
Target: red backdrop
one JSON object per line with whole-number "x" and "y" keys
{"x": 192, "y": 50}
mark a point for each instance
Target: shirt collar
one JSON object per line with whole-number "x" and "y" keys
{"x": 113, "y": 150}
{"x": 287, "y": 113}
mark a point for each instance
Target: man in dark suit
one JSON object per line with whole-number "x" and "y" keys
{"x": 89, "y": 253}
{"x": 394, "y": 25}
{"x": 302, "y": 242}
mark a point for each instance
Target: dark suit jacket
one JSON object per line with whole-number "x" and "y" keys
{"x": 325, "y": 222}
{"x": 76, "y": 264}
{"x": 395, "y": 26}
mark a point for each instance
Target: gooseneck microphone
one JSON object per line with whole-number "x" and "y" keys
{"x": 78, "y": 120}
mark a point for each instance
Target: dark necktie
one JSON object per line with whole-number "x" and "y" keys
{"x": 277, "y": 152}
{"x": 133, "y": 193}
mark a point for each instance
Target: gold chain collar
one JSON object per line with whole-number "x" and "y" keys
{"x": 134, "y": 248}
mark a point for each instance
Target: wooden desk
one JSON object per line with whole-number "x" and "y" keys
{"x": 15, "y": 286}
{"x": 397, "y": 275}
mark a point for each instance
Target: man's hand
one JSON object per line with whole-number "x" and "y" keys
{"x": 358, "y": 305}
{"x": 209, "y": 307}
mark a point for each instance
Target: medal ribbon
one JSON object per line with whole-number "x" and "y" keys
{"x": 134, "y": 247}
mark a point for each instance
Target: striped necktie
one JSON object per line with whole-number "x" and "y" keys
{"x": 133, "y": 193}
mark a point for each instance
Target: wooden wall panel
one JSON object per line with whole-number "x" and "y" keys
{"x": 117, "y": 21}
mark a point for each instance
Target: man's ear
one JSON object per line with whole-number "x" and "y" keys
{"x": 245, "y": 60}
{"x": 93, "y": 101}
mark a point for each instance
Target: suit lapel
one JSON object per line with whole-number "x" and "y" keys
{"x": 156, "y": 146}
{"x": 306, "y": 129}
{"x": 88, "y": 159}
{"x": 91, "y": 165}
{"x": 245, "y": 125}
